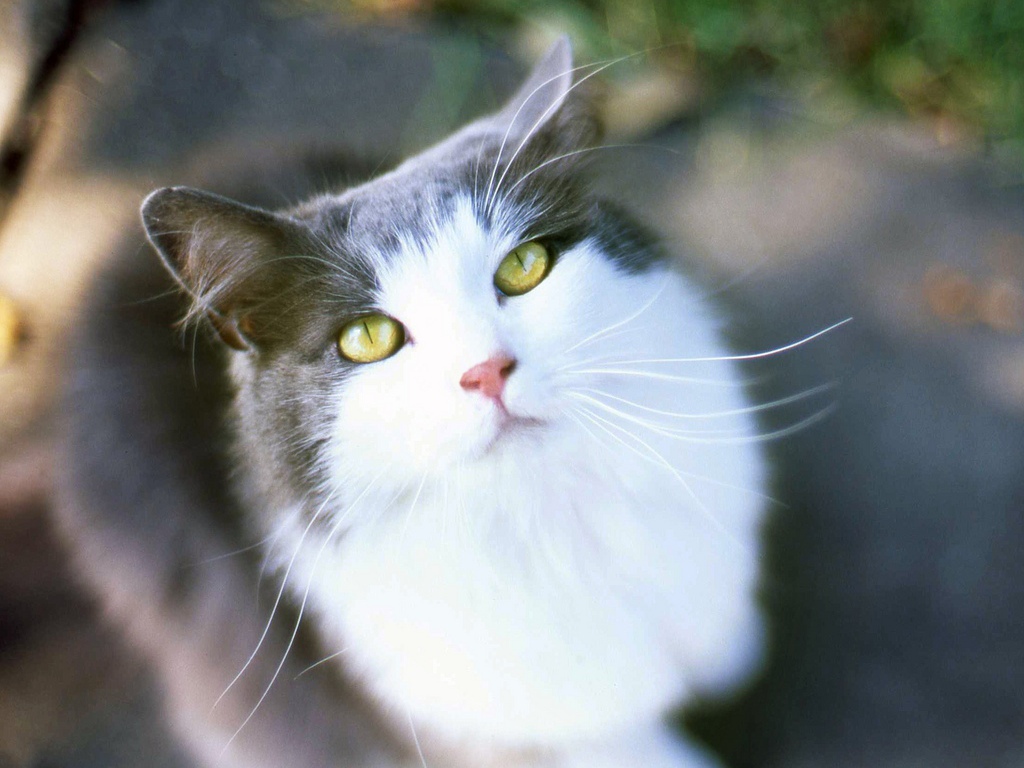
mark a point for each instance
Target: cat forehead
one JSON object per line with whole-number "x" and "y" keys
{"x": 405, "y": 206}
{"x": 425, "y": 187}
{"x": 425, "y": 190}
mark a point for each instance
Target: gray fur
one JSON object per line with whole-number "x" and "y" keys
{"x": 154, "y": 523}
{"x": 291, "y": 280}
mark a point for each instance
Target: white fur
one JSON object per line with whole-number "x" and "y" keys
{"x": 557, "y": 587}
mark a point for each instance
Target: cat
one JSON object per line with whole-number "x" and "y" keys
{"x": 469, "y": 429}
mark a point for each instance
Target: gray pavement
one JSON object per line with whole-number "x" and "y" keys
{"x": 893, "y": 576}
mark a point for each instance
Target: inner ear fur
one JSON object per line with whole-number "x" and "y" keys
{"x": 553, "y": 114}
{"x": 220, "y": 252}
{"x": 556, "y": 104}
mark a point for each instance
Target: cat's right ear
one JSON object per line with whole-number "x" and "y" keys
{"x": 549, "y": 103}
{"x": 543, "y": 94}
{"x": 218, "y": 251}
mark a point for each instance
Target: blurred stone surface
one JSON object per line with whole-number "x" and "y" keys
{"x": 11, "y": 329}
{"x": 71, "y": 693}
{"x": 151, "y": 94}
{"x": 30, "y": 30}
{"x": 160, "y": 93}
{"x": 894, "y": 576}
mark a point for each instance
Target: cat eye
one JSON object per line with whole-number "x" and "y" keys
{"x": 370, "y": 338}
{"x": 522, "y": 269}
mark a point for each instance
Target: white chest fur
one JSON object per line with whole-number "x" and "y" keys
{"x": 544, "y": 599}
{"x": 560, "y": 584}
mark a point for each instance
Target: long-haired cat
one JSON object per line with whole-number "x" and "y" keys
{"x": 467, "y": 432}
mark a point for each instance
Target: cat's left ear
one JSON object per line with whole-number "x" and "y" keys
{"x": 552, "y": 101}
{"x": 223, "y": 253}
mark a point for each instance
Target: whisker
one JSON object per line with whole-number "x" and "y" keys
{"x": 412, "y": 506}
{"x": 692, "y": 436}
{"x": 461, "y": 518}
{"x": 667, "y": 431}
{"x": 798, "y": 397}
{"x": 444, "y": 509}
{"x": 416, "y": 740}
{"x": 512, "y": 122}
{"x": 690, "y": 475}
{"x": 798, "y": 426}
{"x": 713, "y": 290}
{"x": 661, "y": 461}
{"x": 585, "y": 150}
{"x": 324, "y": 660}
{"x": 302, "y": 607}
{"x": 607, "y": 329}
{"x": 750, "y": 356}
{"x": 666, "y": 377}
{"x": 766, "y": 437}
{"x": 232, "y": 553}
{"x": 599, "y": 358}
{"x": 277, "y": 600}
{"x": 540, "y": 120}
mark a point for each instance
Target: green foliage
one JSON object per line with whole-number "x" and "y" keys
{"x": 959, "y": 62}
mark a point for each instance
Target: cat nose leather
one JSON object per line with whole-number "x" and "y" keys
{"x": 489, "y": 377}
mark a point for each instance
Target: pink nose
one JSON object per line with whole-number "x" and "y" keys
{"x": 489, "y": 377}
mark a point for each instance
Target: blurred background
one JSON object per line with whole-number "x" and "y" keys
{"x": 813, "y": 160}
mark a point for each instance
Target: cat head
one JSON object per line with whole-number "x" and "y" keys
{"x": 440, "y": 314}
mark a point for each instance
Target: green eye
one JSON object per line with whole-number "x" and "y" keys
{"x": 370, "y": 338}
{"x": 523, "y": 269}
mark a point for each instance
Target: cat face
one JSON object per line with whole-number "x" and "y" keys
{"x": 475, "y": 307}
{"x": 481, "y": 373}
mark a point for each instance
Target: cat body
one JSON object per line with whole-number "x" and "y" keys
{"x": 522, "y": 522}
{"x": 470, "y": 599}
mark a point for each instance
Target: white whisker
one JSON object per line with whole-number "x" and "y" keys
{"x": 412, "y": 506}
{"x": 679, "y": 434}
{"x": 688, "y": 475}
{"x": 512, "y": 122}
{"x": 664, "y": 377}
{"x": 416, "y": 740}
{"x": 233, "y": 553}
{"x": 277, "y": 600}
{"x": 598, "y": 359}
{"x": 798, "y": 426}
{"x": 316, "y": 664}
{"x": 607, "y": 329}
{"x": 302, "y": 606}
{"x": 661, "y": 461}
{"x": 799, "y": 397}
{"x": 540, "y": 120}
{"x": 444, "y": 509}
{"x": 725, "y": 358}
{"x": 697, "y": 437}
{"x": 585, "y": 150}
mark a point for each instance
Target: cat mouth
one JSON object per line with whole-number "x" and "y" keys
{"x": 511, "y": 422}
{"x": 509, "y": 425}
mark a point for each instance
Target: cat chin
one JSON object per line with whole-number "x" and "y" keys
{"x": 481, "y": 433}
{"x": 510, "y": 431}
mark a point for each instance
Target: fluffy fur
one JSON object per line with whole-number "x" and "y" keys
{"x": 536, "y": 584}
{"x": 553, "y": 582}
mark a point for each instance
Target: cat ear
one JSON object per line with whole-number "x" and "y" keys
{"x": 549, "y": 102}
{"x": 545, "y": 90}
{"x": 217, "y": 250}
